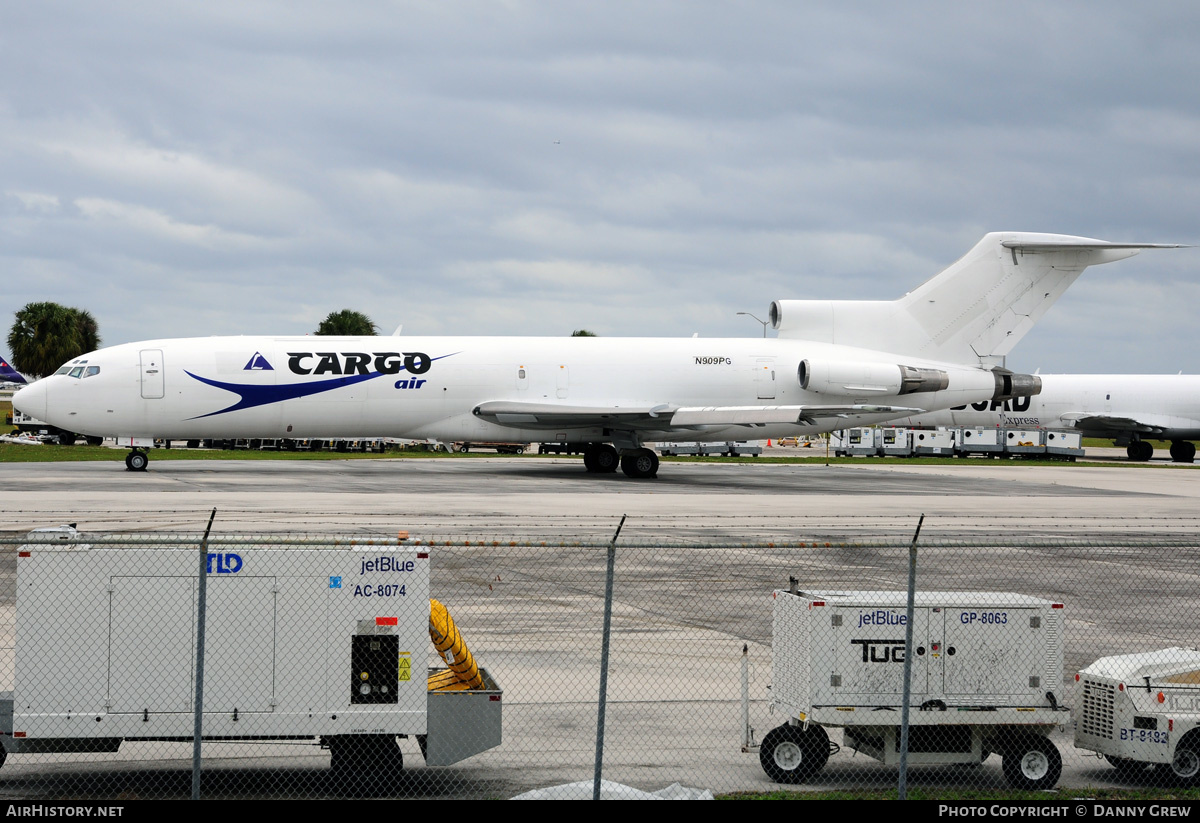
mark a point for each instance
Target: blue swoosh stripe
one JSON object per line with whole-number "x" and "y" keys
{"x": 252, "y": 396}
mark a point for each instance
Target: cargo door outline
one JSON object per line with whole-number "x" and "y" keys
{"x": 764, "y": 378}
{"x": 153, "y": 385}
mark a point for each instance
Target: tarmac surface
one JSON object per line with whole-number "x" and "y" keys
{"x": 698, "y": 557}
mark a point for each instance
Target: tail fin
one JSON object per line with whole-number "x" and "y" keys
{"x": 10, "y": 375}
{"x": 973, "y": 312}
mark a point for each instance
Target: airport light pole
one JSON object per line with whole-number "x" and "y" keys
{"x": 764, "y": 322}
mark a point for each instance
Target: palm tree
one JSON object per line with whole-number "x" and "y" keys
{"x": 46, "y": 335}
{"x": 347, "y": 322}
{"x": 583, "y": 333}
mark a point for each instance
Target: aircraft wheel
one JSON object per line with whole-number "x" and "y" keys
{"x": 95, "y": 441}
{"x": 464, "y": 448}
{"x": 1183, "y": 451}
{"x": 1033, "y": 763}
{"x": 641, "y": 464}
{"x": 589, "y": 459}
{"x": 1139, "y": 451}
{"x": 355, "y": 759}
{"x": 606, "y": 460}
{"x": 791, "y": 754}
{"x": 136, "y": 461}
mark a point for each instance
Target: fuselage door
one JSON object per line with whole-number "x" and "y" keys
{"x": 152, "y": 374}
{"x": 764, "y": 378}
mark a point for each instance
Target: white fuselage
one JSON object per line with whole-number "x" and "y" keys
{"x": 1160, "y": 406}
{"x": 428, "y": 388}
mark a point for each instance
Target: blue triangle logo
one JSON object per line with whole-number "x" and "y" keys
{"x": 258, "y": 363}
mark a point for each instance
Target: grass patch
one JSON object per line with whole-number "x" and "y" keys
{"x": 14, "y": 453}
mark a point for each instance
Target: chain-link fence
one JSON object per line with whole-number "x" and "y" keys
{"x": 454, "y": 666}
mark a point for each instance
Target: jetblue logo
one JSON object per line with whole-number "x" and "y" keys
{"x": 881, "y": 617}
{"x": 225, "y": 563}
{"x": 387, "y": 564}
{"x": 258, "y": 363}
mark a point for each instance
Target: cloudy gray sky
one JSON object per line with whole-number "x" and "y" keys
{"x": 634, "y": 168}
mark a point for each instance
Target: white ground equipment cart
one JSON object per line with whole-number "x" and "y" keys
{"x": 320, "y": 639}
{"x": 1143, "y": 709}
{"x": 986, "y": 675}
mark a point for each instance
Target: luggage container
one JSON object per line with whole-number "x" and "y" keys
{"x": 933, "y": 442}
{"x": 1024, "y": 441}
{"x": 857, "y": 442}
{"x": 895, "y": 442}
{"x": 986, "y": 677}
{"x": 1064, "y": 444}
{"x": 969, "y": 440}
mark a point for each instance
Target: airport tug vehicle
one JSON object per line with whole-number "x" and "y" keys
{"x": 315, "y": 641}
{"x": 1143, "y": 710}
{"x": 986, "y": 672}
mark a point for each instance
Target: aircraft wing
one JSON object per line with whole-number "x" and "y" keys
{"x": 665, "y": 416}
{"x": 1108, "y": 423}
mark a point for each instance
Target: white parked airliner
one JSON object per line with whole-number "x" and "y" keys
{"x": 1130, "y": 409}
{"x": 834, "y": 364}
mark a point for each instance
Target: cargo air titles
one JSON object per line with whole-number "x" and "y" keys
{"x": 328, "y": 362}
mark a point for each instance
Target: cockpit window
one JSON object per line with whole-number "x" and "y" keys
{"x": 64, "y": 369}
{"x": 91, "y": 370}
{"x": 77, "y": 371}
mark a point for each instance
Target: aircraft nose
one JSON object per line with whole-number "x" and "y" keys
{"x": 31, "y": 400}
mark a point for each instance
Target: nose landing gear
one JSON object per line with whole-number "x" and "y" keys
{"x": 137, "y": 461}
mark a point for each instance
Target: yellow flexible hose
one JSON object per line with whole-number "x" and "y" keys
{"x": 463, "y": 673}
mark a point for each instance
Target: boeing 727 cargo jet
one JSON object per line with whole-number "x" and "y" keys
{"x": 834, "y": 364}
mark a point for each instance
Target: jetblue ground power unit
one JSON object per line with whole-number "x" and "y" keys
{"x": 986, "y": 677}
{"x": 320, "y": 642}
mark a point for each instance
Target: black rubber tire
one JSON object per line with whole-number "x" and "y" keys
{"x": 606, "y": 460}
{"x": 464, "y": 448}
{"x": 1185, "y": 763}
{"x": 1183, "y": 451}
{"x": 136, "y": 461}
{"x": 1126, "y": 767}
{"x": 1032, "y": 762}
{"x": 640, "y": 465}
{"x": 1139, "y": 451}
{"x": 95, "y": 441}
{"x": 357, "y": 759}
{"x": 792, "y": 754}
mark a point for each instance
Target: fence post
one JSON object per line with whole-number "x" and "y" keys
{"x": 902, "y": 788}
{"x": 608, "y": 594}
{"x": 201, "y": 608}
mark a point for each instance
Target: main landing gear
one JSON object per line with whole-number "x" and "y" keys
{"x": 1139, "y": 451}
{"x": 602, "y": 458}
{"x": 137, "y": 461}
{"x": 1182, "y": 451}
